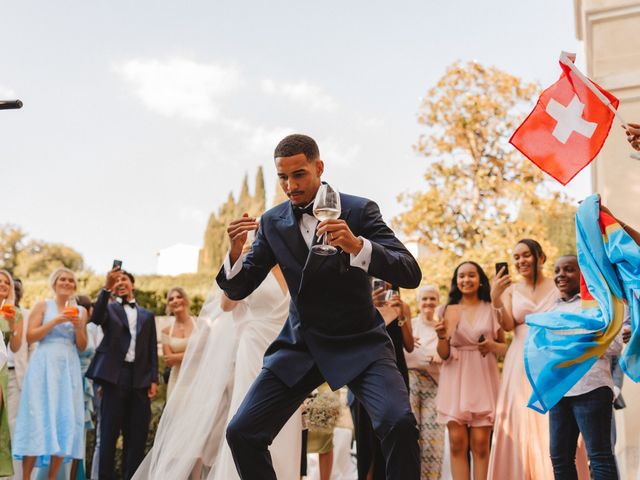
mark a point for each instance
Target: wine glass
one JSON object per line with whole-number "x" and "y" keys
{"x": 326, "y": 207}
{"x": 390, "y": 294}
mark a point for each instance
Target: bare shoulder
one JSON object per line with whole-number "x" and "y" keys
{"x": 39, "y": 307}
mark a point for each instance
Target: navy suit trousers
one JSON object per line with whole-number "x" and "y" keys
{"x": 269, "y": 404}
{"x": 128, "y": 410}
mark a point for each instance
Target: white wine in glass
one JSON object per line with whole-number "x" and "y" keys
{"x": 326, "y": 207}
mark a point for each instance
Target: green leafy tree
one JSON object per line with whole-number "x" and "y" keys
{"x": 480, "y": 195}
{"x": 39, "y": 258}
{"x": 12, "y": 240}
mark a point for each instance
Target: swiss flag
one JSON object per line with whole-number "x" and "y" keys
{"x": 568, "y": 126}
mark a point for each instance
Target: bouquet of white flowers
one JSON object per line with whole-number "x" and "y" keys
{"x": 320, "y": 411}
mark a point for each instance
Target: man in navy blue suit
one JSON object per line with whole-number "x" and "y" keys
{"x": 333, "y": 333}
{"x": 126, "y": 367}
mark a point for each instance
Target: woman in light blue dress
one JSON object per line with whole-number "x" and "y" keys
{"x": 51, "y": 417}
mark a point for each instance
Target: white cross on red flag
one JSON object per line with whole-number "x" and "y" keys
{"x": 568, "y": 126}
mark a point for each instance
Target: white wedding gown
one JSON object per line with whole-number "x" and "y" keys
{"x": 222, "y": 360}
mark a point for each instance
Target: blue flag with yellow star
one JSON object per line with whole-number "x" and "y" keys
{"x": 562, "y": 346}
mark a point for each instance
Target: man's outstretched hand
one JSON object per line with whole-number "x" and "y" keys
{"x": 237, "y": 231}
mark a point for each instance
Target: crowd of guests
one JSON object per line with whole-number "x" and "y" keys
{"x": 68, "y": 362}
{"x": 470, "y": 415}
{"x": 455, "y": 382}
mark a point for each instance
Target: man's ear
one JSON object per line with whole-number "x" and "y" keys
{"x": 319, "y": 167}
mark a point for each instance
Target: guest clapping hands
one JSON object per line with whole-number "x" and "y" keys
{"x": 424, "y": 373}
{"x": 469, "y": 339}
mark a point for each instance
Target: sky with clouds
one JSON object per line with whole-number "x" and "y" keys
{"x": 139, "y": 117}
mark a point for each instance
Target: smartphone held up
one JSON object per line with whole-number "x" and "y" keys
{"x": 502, "y": 266}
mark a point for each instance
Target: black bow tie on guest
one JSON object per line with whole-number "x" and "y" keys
{"x": 299, "y": 211}
{"x": 124, "y": 302}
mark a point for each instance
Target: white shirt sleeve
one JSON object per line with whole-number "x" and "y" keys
{"x": 362, "y": 259}
{"x": 230, "y": 271}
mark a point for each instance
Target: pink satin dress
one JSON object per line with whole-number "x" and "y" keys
{"x": 469, "y": 382}
{"x": 520, "y": 444}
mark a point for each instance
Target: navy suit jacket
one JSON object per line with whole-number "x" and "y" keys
{"x": 332, "y": 320}
{"x": 109, "y": 358}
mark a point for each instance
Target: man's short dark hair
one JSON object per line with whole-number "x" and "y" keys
{"x": 297, "y": 143}
{"x": 131, "y": 277}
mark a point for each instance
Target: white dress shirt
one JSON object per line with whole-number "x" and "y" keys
{"x": 307, "y": 227}
{"x": 132, "y": 318}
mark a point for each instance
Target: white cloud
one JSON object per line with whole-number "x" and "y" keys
{"x": 335, "y": 153}
{"x": 303, "y": 93}
{"x": 257, "y": 139}
{"x": 6, "y": 93}
{"x": 180, "y": 87}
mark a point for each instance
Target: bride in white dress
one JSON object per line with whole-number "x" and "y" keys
{"x": 223, "y": 358}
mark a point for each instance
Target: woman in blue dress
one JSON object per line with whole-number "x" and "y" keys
{"x": 50, "y": 423}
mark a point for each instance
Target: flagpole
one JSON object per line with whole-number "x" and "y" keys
{"x": 567, "y": 59}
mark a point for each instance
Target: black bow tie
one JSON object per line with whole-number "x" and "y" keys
{"x": 299, "y": 211}
{"x": 124, "y": 302}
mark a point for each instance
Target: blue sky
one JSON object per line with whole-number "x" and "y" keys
{"x": 139, "y": 117}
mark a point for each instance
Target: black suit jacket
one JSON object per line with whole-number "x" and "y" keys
{"x": 109, "y": 358}
{"x": 332, "y": 321}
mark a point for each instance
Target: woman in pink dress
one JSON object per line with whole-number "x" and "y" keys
{"x": 469, "y": 338}
{"x": 520, "y": 444}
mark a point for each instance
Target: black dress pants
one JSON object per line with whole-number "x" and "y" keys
{"x": 128, "y": 410}
{"x": 269, "y": 403}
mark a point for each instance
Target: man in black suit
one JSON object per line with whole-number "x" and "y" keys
{"x": 126, "y": 367}
{"x": 333, "y": 332}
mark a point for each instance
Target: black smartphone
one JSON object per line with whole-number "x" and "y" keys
{"x": 500, "y": 266}
{"x": 377, "y": 284}
{"x": 117, "y": 264}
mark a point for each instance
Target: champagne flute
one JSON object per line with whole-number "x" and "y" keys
{"x": 326, "y": 207}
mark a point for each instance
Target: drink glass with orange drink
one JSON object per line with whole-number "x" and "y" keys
{"x": 8, "y": 311}
{"x": 71, "y": 310}
{"x": 7, "y": 315}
